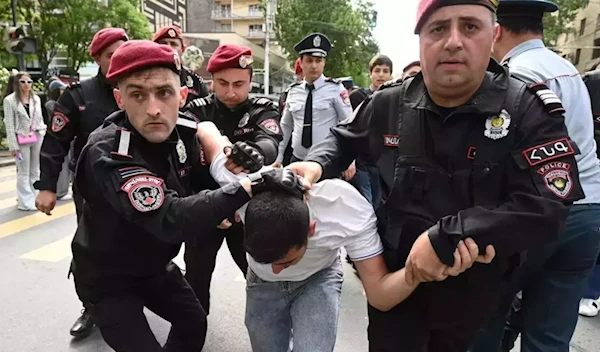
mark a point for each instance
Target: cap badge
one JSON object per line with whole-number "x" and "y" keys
{"x": 189, "y": 81}
{"x": 317, "y": 41}
{"x": 246, "y": 61}
{"x": 171, "y": 33}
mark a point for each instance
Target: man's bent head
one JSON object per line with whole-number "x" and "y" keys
{"x": 277, "y": 228}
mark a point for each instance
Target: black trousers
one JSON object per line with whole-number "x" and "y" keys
{"x": 437, "y": 317}
{"x": 117, "y": 308}
{"x": 200, "y": 259}
{"x": 78, "y": 200}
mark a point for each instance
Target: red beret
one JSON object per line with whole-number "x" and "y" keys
{"x": 230, "y": 56}
{"x": 106, "y": 37}
{"x": 297, "y": 67}
{"x": 427, "y": 7}
{"x": 137, "y": 55}
{"x": 168, "y": 32}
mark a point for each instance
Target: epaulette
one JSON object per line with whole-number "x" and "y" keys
{"x": 200, "y": 102}
{"x": 187, "y": 120}
{"x": 292, "y": 86}
{"x": 198, "y": 77}
{"x": 333, "y": 80}
{"x": 74, "y": 85}
{"x": 552, "y": 103}
{"x": 262, "y": 101}
{"x": 391, "y": 83}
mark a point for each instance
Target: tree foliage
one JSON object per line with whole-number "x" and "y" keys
{"x": 127, "y": 15}
{"x": 561, "y": 22}
{"x": 345, "y": 24}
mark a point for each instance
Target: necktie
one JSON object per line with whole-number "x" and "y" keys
{"x": 307, "y": 128}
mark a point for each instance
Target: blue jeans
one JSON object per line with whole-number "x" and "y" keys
{"x": 310, "y": 308}
{"x": 367, "y": 183}
{"x": 553, "y": 280}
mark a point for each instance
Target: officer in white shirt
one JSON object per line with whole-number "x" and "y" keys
{"x": 314, "y": 105}
{"x": 293, "y": 242}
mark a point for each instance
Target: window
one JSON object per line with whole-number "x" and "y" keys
{"x": 254, "y": 10}
{"x": 577, "y": 56}
{"x": 255, "y": 30}
{"x": 596, "y": 52}
{"x": 222, "y": 27}
{"x": 582, "y": 27}
{"x": 224, "y": 11}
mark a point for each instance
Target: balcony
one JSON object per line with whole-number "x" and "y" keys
{"x": 250, "y": 15}
{"x": 221, "y": 15}
{"x": 256, "y": 35}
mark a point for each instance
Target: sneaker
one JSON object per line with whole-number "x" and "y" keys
{"x": 588, "y": 307}
{"x": 66, "y": 197}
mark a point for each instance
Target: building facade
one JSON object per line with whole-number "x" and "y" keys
{"x": 166, "y": 12}
{"x": 582, "y": 45}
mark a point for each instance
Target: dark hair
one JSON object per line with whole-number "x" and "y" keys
{"x": 522, "y": 25}
{"x": 275, "y": 223}
{"x": 381, "y": 60}
{"x": 412, "y": 64}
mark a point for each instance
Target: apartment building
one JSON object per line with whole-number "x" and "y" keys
{"x": 582, "y": 46}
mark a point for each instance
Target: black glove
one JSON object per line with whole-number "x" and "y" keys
{"x": 277, "y": 180}
{"x": 247, "y": 156}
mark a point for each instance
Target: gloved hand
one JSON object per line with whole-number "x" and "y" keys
{"x": 282, "y": 180}
{"x": 245, "y": 155}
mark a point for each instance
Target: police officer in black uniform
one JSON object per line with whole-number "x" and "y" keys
{"x": 138, "y": 175}
{"x": 78, "y": 112}
{"x": 479, "y": 155}
{"x": 172, "y": 36}
{"x": 253, "y": 123}
{"x": 592, "y": 82}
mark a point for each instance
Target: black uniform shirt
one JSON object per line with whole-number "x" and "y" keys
{"x": 140, "y": 202}
{"x": 256, "y": 120}
{"x": 80, "y": 110}
{"x": 529, "y": 182}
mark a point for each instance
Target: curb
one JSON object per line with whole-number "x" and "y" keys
{"x": 7, "y": 163}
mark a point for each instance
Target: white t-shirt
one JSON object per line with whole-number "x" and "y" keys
{"x": 344, "y": 218}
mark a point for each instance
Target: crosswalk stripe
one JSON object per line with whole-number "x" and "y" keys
{"x": 52, "y": 252}
{"x": 7, "y": 186}
{"x": 8, "y": 202}
{"x": 15, "y": 226}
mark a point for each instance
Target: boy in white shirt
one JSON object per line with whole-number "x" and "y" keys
{"x": 293, "y": 241}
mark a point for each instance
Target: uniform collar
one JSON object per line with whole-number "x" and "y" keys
{"x": 523, "y": 47}
{"x": 488, "y": 99}
{"x": 318, "y": 83}
{"x": 224, "y": 109}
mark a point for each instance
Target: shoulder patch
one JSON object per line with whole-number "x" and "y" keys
{"x": 262, "y": 101}
{"x": 392, "y": 83}
{"x": 200, "y": 102}
{"x": 332, "y": 80}
{"x": 552, "y": 104}
{"x": 145, "y": 192}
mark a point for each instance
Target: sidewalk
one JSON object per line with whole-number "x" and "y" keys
{"x": 6, "y": 159}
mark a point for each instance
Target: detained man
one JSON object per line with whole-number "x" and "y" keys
{"x": 293, "y": 240}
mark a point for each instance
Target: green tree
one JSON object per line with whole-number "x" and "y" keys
{"x": 126, "y": 14}
{"x": 561, "y": 21}
{"x": 345, "y": 24}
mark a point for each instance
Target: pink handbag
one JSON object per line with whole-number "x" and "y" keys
{"x": 28, "y": 139}
{"x": 24, "y": 140}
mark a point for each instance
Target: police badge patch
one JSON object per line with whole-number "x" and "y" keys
{"x": 270, "y": 125}
{"x": 59, "y": 121}
{"x": 145, "y": 192}
{"x": 496, "y": 127}
{"x": 189, "y": 81}
{"x": 345, "y": 97}
{"x": 244, "y": 120}
{"x": 557, "y": 178}
{"x": 181, "y": 153}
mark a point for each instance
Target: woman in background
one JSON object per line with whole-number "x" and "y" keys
{"x": 25, "y": 130}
